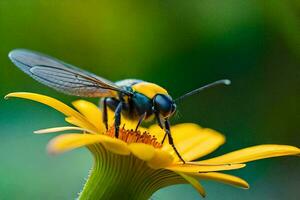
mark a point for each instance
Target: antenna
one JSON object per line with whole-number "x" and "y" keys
{"x": 219, "y": 82}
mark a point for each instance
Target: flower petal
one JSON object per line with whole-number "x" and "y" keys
{"x": 91, "y": 112}
{"x": 127, "y": 123}
{"x": 204, "y": 143}
{"x": 156, "y": 131}
{"x": 54, "y": 103}
{"x": 71, "y": 141}
{"x": 195, "y": 183}
{"x": 59, "y": 129}
{"x": 130, "y": 124}
{"x": 203, "y": 168}
{"x": 191, "y": 140}
{"x": 77, "y": 122}
{"x": 142, "y": 151}
{"x": 254, "y": 153}
{"x": 111, "y": 116}
{"x": 223, "y": 178}
{"x": 115, "y": 145}
{"x": 49, "y": 101}
{"x": 161, "y": 159}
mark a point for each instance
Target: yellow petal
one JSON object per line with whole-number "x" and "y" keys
{"x": 156, "y": 131}
{"x": 129, "y": 124}
{"x": 191, "y": 140}
{"x": 59, "y": 129}
{"x": 142, "y": 151}
{"x": 77, "y": 122}
{"x": 49, "y": 101}
{"x": 223, "y": 178}
{"x": 204, "y": 143}
{"x": 160, "y": 159}
{"x": 195, "y": 183}
{"x": 115, "y": 145}
{"x": 71, "y": 141}
{"x": 91, "y": 112}
{"x": 54, "y": 103}
{"x": 254, "y": 153}
{"x": 203, "y": 168}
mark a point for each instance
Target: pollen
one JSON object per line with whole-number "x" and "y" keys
{"x": 132, "y": 136}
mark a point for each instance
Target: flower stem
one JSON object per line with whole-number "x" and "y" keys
{"x": 123, "y": 177}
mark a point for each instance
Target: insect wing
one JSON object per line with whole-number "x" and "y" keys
{"x": 61, "y": 76}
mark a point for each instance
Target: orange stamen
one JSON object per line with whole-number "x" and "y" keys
{"x": 131, "y": 136}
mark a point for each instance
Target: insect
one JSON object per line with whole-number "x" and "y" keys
{"x": 135, "y": 99}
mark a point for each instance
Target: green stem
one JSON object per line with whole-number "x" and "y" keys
{"x": 123, "y": 177}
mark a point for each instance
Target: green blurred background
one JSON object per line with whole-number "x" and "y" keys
{"x": 180, "y": 45}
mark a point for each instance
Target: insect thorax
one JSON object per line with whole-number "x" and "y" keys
{"x": 149, "y": 89}
{"x": 142, "y": 100}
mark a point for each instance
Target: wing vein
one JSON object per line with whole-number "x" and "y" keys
{"x": 62, "y": 76}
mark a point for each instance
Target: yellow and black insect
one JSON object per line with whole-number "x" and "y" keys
{"x": 135, "y": 99}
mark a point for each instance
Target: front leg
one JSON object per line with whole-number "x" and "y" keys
{"x": 118, "y": 118}
{"x": 171, "y": 142}
{"x": 142, "y": 117}
{"x": 104, "y": 114}
{"x": 159, "y": 121}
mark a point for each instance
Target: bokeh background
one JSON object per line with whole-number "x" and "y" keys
{"x": 180, "y": 45}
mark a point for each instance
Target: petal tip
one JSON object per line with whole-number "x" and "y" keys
{"x": 38, "y": 132}
{"x": 51, "y": 150}
{"x": 243, "y": 185}
{"x": 6, "y": 97}
{"x": 16, "y": 94}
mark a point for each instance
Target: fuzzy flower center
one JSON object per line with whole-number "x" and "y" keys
{"x": 132, "y": 136}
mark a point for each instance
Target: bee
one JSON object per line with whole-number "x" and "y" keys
{"x": 134, "y": 99}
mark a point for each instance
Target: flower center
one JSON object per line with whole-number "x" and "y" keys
{"x": 132, "y": 136}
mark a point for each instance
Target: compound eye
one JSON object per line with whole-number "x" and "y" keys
{"x": 164, "y": 105}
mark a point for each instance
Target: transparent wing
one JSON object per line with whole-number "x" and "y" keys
{"x": 61, "y": 76}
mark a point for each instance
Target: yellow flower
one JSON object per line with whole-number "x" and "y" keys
{"x": 136, "y": 164}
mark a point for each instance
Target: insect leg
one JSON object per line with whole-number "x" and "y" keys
{"x": 104, "y": 114}
{"x": 160, "y": 125}
{"x": 171, "y": 142}
{"x": 163, "y": 140}
{"x": 118, "y": 118}
{"x": 158, "y": 119}
{"x": 142, "y": 117}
